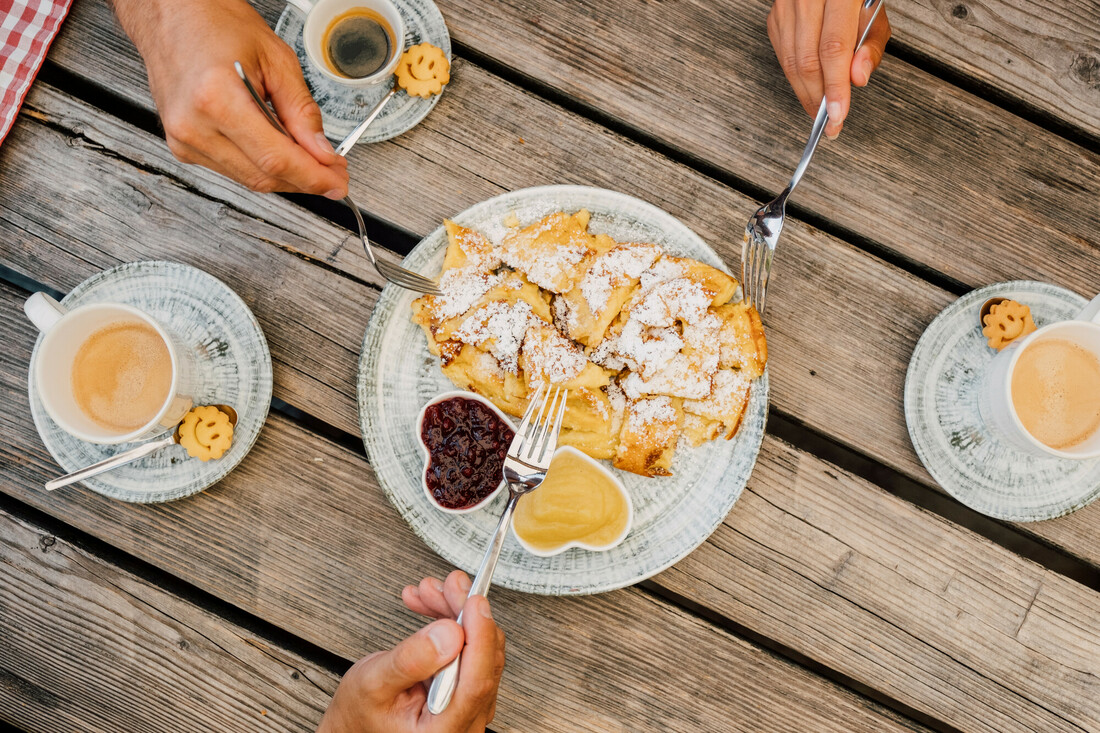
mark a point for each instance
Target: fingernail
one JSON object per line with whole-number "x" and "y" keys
{"x": 835, "y": 111}
{"x": 440, "y": 635}
{"x": 464, "y": 583}
{"x": 867, "y": 69}
{"x": 483, "y": 607}
{"x": 335, "y": 194}
{"x": 437, "y": 584}
{"x": 831, "y": 135}
{"x": 324, "y": 144}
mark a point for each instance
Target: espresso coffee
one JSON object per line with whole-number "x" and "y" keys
{"x": 1056, "y": 392}
{"x": 122, "y": 375}
{"x": 357, "y": 43}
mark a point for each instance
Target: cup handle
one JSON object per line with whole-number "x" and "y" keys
{"x": 43, "y": 311}
{"x": 1091, "y": 311}
{"x": 304, "y": 5}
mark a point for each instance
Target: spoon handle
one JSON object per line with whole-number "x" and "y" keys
{"x": 107, "y": 464}
{"x": 353, "y": 137}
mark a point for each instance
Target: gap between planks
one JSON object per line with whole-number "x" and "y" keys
{"x": 787, "y": 428}
{"x": 239, "y": 203}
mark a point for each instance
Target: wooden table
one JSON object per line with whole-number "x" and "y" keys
{"x": 845, "y": 591}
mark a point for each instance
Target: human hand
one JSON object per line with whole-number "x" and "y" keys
{"x": 814, "y": 40}
{"x": 386, "y": 692}
{"x": 209, "y": 118}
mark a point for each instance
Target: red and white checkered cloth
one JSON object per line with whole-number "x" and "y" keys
{"x": 27, "y": 27}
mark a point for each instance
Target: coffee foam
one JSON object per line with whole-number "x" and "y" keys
{"x": 1056, "y": 392}
{"x": 122, "y": 376}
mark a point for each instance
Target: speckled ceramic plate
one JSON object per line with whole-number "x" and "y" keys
{"x": 397, "y": 375}
{"x": 234, "y": 368}
{"x": 941, "y": 409}
{"x": 342, "y": 108}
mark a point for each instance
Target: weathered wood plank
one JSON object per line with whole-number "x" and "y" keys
{"x": 622, "y": 661}
{"x": 1044, "y": 55}
{"x": 823, "y": 563}
{"x": 820, "y": 367}
{"x": 924, "y": 170}
{"x": 86, "y": 646}
{"x": 894, "y": 593}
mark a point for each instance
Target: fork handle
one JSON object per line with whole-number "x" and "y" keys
{"x": 445, "y": 680}
{"x": 867, "y": 15}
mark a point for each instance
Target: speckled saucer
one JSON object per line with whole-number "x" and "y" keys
{"x": 342, "y": 107}
{"x": 397, "y": 376}
{"x": 234, "y": 369}
{"x": 941, "y": 409}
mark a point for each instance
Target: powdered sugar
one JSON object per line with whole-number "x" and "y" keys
{"x": 502, "y": 327}
{"x": 652, "y": 411}
{"x": 621, "y": 265}
{"x": 647, "y": 350}
{"x": 726, "y": 400}
{"x": 670, "y": 301}
{"x": 550, "y": 357}
{"x": 462, "y": 287}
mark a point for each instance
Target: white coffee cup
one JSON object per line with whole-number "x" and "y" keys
{"x": 995, "y": 400}
{"x": 320, "y": 13}
{"x": 64, "y": 332}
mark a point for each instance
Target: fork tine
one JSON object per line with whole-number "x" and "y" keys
{"x": 406, "y": 279}
{"x": 533, "y": 434}
{"x": 765, "y": 274}
{"x": 745, "y": 242}
{"x": 521, "y": 432}
{"x": 548, "y": 431}
{"x": 538, "y": 432}
{"x": 552, "y": 441}
{"x": 758, "y": 278}
{"x": 767, "y": 269}
{"x": 751, "y": 247}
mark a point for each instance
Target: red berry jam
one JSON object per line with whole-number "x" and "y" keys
{"x": 467, "y": 443}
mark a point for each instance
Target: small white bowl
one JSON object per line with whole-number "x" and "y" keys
{"x": 577, "y": 543}
{"x": 427, "y": 456}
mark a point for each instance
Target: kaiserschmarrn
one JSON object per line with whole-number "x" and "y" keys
{"x": 649, "y": 345}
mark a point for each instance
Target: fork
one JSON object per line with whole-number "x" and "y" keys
{"x": 762, "y": 231}
{"x": 525, "y": 467}
{"x": 394, "y": 273}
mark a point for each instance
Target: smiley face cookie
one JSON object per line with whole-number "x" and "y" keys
{"x": 206, "y": 433}
{"x": 1006, "y": 322}
{"x": 423, "y": 70}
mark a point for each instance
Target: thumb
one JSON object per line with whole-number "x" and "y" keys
{"x": 295, "y": 106}
{"x": 870, "y": 54}
{"x": 414, "y": 660}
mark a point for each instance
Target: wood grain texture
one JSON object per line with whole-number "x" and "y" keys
{"x": 332, "y": 574}
{"x": 1045, "y": 55}
{"x": 86, "y": 646}
{"x": 897, "y": 595}
{"x": 896, "y": 598}
{"x": 925, "y": 171}
{"x": 834, "y": 305}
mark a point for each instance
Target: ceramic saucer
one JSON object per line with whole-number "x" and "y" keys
{"x": 234, "y": 368}
{"x": 342, "y": 108}
{"x": 941, "y": 409}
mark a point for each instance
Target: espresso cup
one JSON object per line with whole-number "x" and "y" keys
{"x": 320, "y": 14}
{"x": 64, "y": 332}
{"x": 995, "y": 403}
